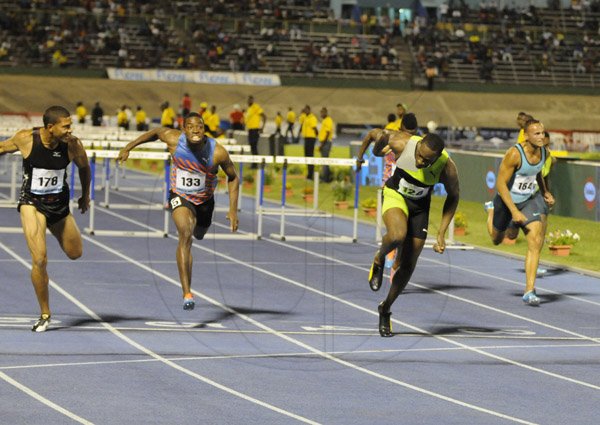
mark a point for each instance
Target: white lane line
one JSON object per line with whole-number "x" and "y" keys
{"x": 369, "y": 311}
{"x": 154, "y": 355}
{"x": 455, "y": 297}
{"x": 292, "y": 354}
{"x": 441, "y": 263}
{"x": 43, "y": 400}
{"x": 299, "y": 343}
{"x": 191, "y": 329}
{"x": 517, "y": 283}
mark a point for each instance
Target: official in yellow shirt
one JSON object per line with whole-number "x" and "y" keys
{"x": 122, "y": 118}
{"x": 291, "y": 120}
{"x": 400, "y": 111}
{"x": 140, "y": 119}
{"x": 309, "y": 133}
{"x": 81, "y": 112}
{"x": 278, "y": 121}
{"x": 168, "y": 116}
{"x": 213, "y": 122}
{"x": 325, "y": 139}
{"x": 255, "y": 123}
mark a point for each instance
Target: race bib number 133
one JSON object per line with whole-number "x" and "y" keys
{"x": 188, "y": 182}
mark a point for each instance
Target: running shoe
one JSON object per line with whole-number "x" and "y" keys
{"x": 488, "y": 206}
{"x": 188, "y": 302}
{"x": 531, "y": 298}
{"x": 385, "y": 322}
{"x": 41, "y": 325}
{"x": 541, "y": 272}
{"x": 376, "y": 276}
{"x": 199, "y": 232}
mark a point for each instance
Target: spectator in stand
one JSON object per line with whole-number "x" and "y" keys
{"x": 236, "y": 118}
{"x": 140, "y": 119}
{"x": 81, "y": 112}
{"x": 97, "y": 115}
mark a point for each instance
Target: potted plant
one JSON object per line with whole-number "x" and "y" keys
{"x": 560, "y": 242}
{"x": 288, "y": 190}
{"x": 295, "y": 171}
{"x": 248, "y": 181}
{"x": 369, "y": 206}
{"x": 341, "y": 191}
{"x": 308, "y": 193}
{"x": 268, "y": 183}
{"x": 460, "y": 224}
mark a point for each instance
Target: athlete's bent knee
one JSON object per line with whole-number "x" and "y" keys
{"x": 40, "y": 262}
{"x": 75, "y": 254}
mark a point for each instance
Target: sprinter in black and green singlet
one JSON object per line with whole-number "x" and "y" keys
{"x": 421, "y": 162}
{"x": 44, "y": 199}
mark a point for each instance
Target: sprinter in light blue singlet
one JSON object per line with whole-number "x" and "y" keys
{"x": 519, "y": 200}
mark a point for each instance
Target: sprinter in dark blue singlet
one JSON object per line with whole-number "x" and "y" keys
{"x": 44, "y": 199}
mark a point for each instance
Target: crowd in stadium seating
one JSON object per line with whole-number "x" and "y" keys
{"x": 274, "y": 36}
{"x": 491, "y": 36}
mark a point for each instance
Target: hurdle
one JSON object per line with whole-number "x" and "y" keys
{"x": 107, "y": 155}
{"x": 282, "y": 212}
{"x": 166, "y": 186}
{"x": 158, "y": 146}
{"x": 11, "y": 202}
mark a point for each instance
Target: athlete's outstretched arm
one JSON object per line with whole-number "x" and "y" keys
{"x": 164, "y": 134}
{"x": 12, "y": 145}
{"x": 80, "y": 158}
{"x": 369, "y": 138}
{"x": 449, "y": 178}
{"x": 233, "y": 185}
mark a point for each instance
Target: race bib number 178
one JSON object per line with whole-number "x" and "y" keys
{"x": 45, "y": 182}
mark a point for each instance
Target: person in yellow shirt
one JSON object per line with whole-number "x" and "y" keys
{"x": 204, "y": 112}
{"x": 301, "y": 122}
{"x": 291, "y": 120}
{"x": 522, "y": 118}
{"x": 122, "y": 118}
{"x": 309, "y": 133}
{"x": 278, "y": 121}
{"x": 213, "y": 122}
{"x": 167, "y": 118}
{"x": 81, "y": 112}
{"x": 140, "y": 119}
{"x": 400, "y": 111}
{"x": 255, "y": 123}
{"x": 325, "y": 142}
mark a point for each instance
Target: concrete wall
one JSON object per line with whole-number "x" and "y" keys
{"x": 347, "y": 105}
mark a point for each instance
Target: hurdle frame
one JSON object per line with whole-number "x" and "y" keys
{"x": 282, "y": 212}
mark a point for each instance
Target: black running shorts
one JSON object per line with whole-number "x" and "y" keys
{"x": 203, "y": 212}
